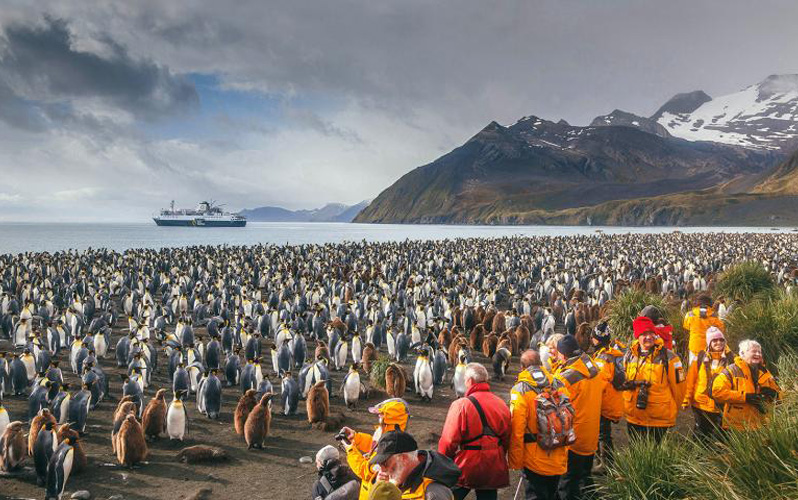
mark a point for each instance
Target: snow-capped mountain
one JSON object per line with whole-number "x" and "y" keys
{"x": 761, "y": 116}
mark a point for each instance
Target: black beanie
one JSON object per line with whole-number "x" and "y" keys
{"x": 568, "y": 346}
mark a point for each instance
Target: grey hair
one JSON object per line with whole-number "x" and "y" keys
{"x": 747, "y": 344}
{"x": 476, "y": 372}
{"x": 552, "y": 342}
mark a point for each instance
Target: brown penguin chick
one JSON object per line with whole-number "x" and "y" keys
{"x": 523, "y": 336}
{"x": 37, "y": 424}
{"x": 201, "y": 454}
{"x": 445, "y": 338}
{"x": 489, "y": 345}
{"x": 528, "y": 322}
{"x": 79, "y": 459}
{"x": 582, "y": 336}
{"x": 153, "y": 421}
{"x": 476, "y": 336}
{"x": 499, "y": 323}
{"x": 487, "y": 319}
{"x": 339, "y": 325}
{"x": 318, "y": 402}
{"x": 510, "y": 335}
{"x": 125, "y": 409}
{"x": 126, "y": 399}
{"x": 244, "y": 407}
{"x": 505, "y": 343}
{"x": 454, "y": 349}
{"x": 368, "y": 356}
{"x": 12, "y": 448}
{"x": 395, "y": 381}
{"x": 322, "y": 351}
{"x": 258, "y": 423}
{"x": 131, "y": 447}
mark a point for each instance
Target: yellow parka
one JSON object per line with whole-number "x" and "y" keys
{"x": 729, "y": 389}
{"x": 580, "y": 377}
{"x": 524, "y": 452}
{"x": 697, "y": 323}
{"x": 700, "y": 375}
{"x": 610, "y": 362}
{"x": 663, "y": 370}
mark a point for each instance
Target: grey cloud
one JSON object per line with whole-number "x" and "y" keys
{"x": 41, "y": 63}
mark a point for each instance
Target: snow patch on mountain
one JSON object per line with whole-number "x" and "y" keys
{"x": 761, "y": 116}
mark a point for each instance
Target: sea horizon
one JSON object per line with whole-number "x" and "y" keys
{"x": 41, "y": 236}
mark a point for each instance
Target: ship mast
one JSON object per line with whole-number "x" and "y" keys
{"x": 173, "y": 206}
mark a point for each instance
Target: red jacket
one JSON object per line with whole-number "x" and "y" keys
{"x": 483, "y": 461}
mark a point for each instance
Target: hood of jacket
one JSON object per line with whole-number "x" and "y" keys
{"x": 437, "y": 467}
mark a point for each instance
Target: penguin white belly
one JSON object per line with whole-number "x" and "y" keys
{"x": 100, "y": 345}
{"x": 352, "y": 389}
{"x": 425, "y": 380}
{"x": 458, "y": 381}
{"x": 64, "y": 416}
{"x": 176, "y": 422}
{"x": 391, "y": 342}
{"x": 30, "y": 367}
{"x": 258, "y": 375}
{"x": 340, "y": 356}
{"x": 4, "y": 420}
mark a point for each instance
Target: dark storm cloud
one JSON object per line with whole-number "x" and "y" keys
{"x": 40, "y": 63}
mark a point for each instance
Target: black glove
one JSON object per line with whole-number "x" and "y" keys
{"x": 769, "y": 394}
{"x": 757, "y": 401}
{"x": 753, "y": 398}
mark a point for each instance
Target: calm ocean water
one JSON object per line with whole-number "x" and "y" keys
{"x": 26, "y": 237}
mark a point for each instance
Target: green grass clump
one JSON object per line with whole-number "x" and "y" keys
{"x": 625, "y": 307}
{"x": 647, "y": 470}
{"x": 378, "y": 368}
{"x": 744, "y": 281}
{"x": 772, "y": 320}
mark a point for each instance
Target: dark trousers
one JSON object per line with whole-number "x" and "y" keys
{"x": 707, "y": 425}
{"x": 637, "y": 432}
{"x": 460, "y": 493}
{"x": 577, "y": 480}
{"x": 606, "y": 447}
{"x": 540, "y": 487}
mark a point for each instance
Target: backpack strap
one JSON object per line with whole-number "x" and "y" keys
{"x": 325, "y": 483}
{"x": 486, "y": 428}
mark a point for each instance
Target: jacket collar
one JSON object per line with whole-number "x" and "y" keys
{"x": 480, "y": 387}
{"x": 582, "y": 364}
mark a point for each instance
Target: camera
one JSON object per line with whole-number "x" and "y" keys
{"x": 642, "y": 397}
{"x": 341, "y": 436}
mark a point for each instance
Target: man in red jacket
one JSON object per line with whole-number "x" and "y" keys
{"x": 476, "y": 435}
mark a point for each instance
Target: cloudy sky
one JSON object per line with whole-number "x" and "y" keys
{"x": 108, "y": 109}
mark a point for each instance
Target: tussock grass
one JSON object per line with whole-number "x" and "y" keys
{"x": 744, "y": 281}
{"x": 378, "y": 368}
{"x": 772, "y": 320}
{"x": 647, "y": 470}
{"x": 625, "y": 307}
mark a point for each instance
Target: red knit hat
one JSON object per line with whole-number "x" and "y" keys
{"x": 643, "y": 324}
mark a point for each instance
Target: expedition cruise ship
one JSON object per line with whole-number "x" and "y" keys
{"x": 205, "y": 215}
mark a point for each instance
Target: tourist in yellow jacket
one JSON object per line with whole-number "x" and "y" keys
{"x": 360, "y": 447}
{"x": 608, "y": 357}
{"x": 745, "y": 388}
{"x": 541, "y": 468}
{"x": 655, "y": 384}
{"x": 700, "y": 375}
{"x": 697, "y": 321}
{"x": 579, "y": 376}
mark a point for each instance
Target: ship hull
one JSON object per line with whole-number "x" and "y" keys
{"x": 199, "y": 222}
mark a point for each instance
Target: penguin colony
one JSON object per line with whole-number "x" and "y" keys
{"x": 251, "y": 332}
